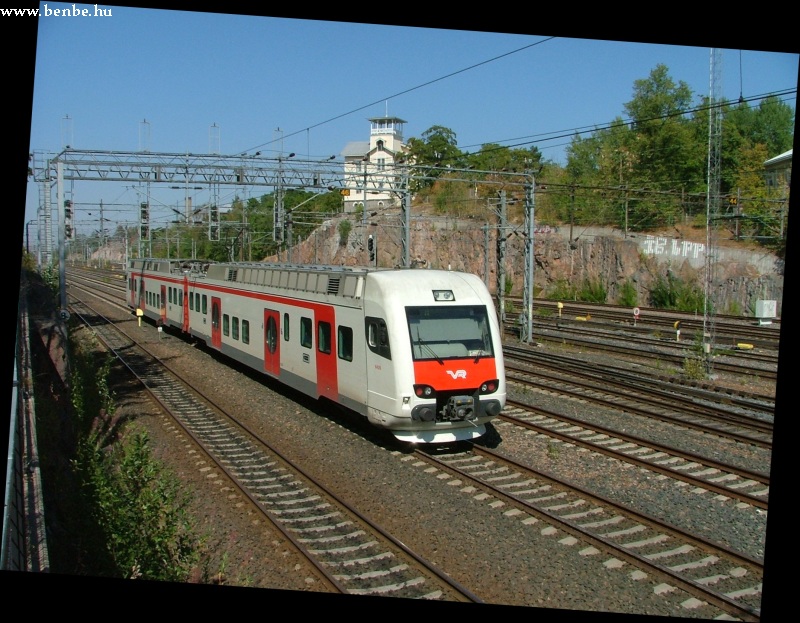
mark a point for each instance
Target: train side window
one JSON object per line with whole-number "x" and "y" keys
{"x": 180, "y": 298}
{"x": 344, "y": 343}
{"x": 235, "y": 328}
{"x": 197, "y": 301}
{"x": 378, "y": 337}
{"x": 226, "y": 324}
{"x": 191, "y": 302}
{"x": 205, "y": 304}
{"x": 215, "y": 316}
{"x": 305, "y": 332}
{"x": 324, "y": 337}
{"x": 245, "y": 331}
{"x": 285, "y": 327}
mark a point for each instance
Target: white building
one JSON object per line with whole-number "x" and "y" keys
{"x": 779, "y": 171}
{"x": 369, "y": 166}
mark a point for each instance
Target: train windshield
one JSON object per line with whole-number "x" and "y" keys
{"x": 447, "y": 332}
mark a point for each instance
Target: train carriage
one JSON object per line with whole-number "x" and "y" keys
{"x": 416, "y": 351}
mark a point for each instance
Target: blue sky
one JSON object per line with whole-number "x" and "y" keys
{"x": 162, "y": 79}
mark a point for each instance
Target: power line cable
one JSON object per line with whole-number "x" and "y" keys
{"x": 424, "y": 84}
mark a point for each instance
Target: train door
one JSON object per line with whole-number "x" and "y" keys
{"x": 163, "y": 304}
{"x": 327, "y": 378}
{"x": 142, "y": 294}
{"x": 186, "y": 295}
{"x": 383, "y": 392}
{"x": 272, "y": 342}
{"x": 216, "y": 322}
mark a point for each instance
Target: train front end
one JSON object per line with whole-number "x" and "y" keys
{"x": 449, "y": 367}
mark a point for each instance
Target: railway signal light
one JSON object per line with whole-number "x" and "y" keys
{"x": 68, "y": 229}
{"x": 213, "y": 223}
{"x": 144, "y": 225}
{"x": 371, "y": 248}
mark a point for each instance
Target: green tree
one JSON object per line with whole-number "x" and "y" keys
{"x": 437, "y": 147}
{"x": 665, "y": 151}
{"x": 494, "y": 157}
{"x": 639, "y": 173}
{"x": 773, "y": 126}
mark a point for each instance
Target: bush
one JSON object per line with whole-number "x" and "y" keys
{"x": 344, "y": 232}
{"x": 134, "y": 520}
{"x": 562, "y": 291}
{"x": 672, "y": 293}
{"x": 592, "y": 292}
{"x": 627, "y": 295}
{"x": 694, "y": 368}
{"x": 143, "y": 513}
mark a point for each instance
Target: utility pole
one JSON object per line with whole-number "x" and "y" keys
{"x": 712, "y": 200}
{"x": 406, "y": 225}
{"x": 529, "y": 263}
{"x": 501, "y": 259}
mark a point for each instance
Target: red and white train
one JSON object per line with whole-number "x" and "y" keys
{"x": 416, "y": 351}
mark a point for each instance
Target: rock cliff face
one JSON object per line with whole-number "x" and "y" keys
{"x": 738, "y": 277}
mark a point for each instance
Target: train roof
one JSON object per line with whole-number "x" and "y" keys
{"x": 397, "y": 284}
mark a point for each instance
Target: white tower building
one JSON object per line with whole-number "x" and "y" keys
{"x": 369, "y": 170}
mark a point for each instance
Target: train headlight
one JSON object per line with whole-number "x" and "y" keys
{"x": 489, "y": 387}
{"x": 424, "y": 391}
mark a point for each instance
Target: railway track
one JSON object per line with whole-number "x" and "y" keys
{"x": 721, "y": 582}
{"x": 345, "y": 551}
{"x": 745, "y": 418}
{"x": 693, "y": 468}
{"x": 728, "y": 329}
{"x": 620, "y": 343}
